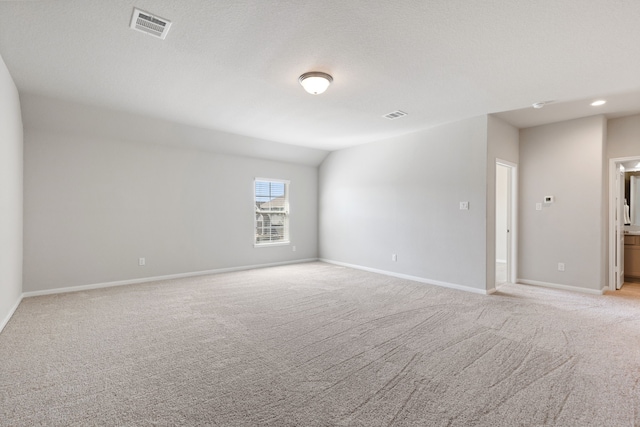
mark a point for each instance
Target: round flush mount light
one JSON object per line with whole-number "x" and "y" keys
{"x": 598, "y": 103}
{"x": 315, "y": 82}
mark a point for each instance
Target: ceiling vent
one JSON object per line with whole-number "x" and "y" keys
{"x": 395, "y": 115}
{"x": 149, "y": 24}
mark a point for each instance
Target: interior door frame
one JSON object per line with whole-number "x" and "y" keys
{"x": 613, "y": 170}
{"x": 512, "y": 216}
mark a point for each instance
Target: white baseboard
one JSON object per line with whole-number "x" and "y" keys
{"x": 562, "y": 287}
{"x": 156, "y": 278}
{"x": 8, "y": 316}
{"x": 409, "y": 277}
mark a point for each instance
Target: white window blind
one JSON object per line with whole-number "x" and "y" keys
{"x": 271, "y": 199}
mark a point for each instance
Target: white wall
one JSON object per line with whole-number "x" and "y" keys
{"x": 564, "y": 160}
{"x": 60, "y": 116}
{"x": 95, "y": 204}
{"x": 503, "y": 144}
{"x": 623, "y": 137}
{"x": 402, "y": 196}
{"x": 10, "y": 196}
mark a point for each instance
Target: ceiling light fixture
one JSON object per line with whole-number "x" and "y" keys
{"x": 315, "y": 82}
{"x": 598, "y": 103}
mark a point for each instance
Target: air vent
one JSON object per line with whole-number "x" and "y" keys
{"x": 395, "y": 115}
{"x": 149, "y": 24}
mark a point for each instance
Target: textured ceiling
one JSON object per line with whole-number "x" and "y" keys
{"x": 233, "y": 65}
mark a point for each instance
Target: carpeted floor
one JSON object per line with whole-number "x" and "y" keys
{"x": 320, "y": 345}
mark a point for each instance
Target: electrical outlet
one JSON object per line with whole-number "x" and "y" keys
{"x": 141, "y": 261}
{"x": 538, "y": 206}
{"x": 394, "y": 257}
{"x": 561, "y": 266}
{"x": 293, "y": 248}
{"x": 464, "y": 206}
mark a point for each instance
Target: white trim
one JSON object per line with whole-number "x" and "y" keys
{"x": 562, "y": 287}
{"x": 633, "y": 203}
{"x": 409, "y": 277}
{"x": 156, "y": 278}
{"x": 285, "y": 181}
{"x": 501, "y": 261}
{"x": 506, "y": 163}
{"x": 270, "y": 244}
{"x": 13, "y": 310}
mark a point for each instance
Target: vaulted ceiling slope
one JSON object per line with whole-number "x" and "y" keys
{"x": 233, "y": 65}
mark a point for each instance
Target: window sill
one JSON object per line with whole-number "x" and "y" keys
{"x": 271, "y": 244}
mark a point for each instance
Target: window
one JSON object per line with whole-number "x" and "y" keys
{"x": 271, "y": 199}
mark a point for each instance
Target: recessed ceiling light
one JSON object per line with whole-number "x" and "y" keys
{"x": 315, "y": 82}
{"x": 598, "y": 103}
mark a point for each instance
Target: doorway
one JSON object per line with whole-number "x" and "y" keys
{"x": 621, "y": 218}
{"x": 505, "y": 250}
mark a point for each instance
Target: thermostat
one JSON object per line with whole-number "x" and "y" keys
{"x": 549, "y": 199}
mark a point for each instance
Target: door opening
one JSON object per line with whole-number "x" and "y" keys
{"x": 621, "y": 221}
{"x": 505, "y": 248}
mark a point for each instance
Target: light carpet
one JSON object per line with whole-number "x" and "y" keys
{"x": 320, "y": 345}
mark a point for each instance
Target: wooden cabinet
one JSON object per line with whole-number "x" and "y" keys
{"x": 632, "y": 256}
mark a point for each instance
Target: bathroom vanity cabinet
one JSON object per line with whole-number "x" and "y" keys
{"x": 632, "y": 256}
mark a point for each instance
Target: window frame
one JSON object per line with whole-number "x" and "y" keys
{"x": 287, "y": 213}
